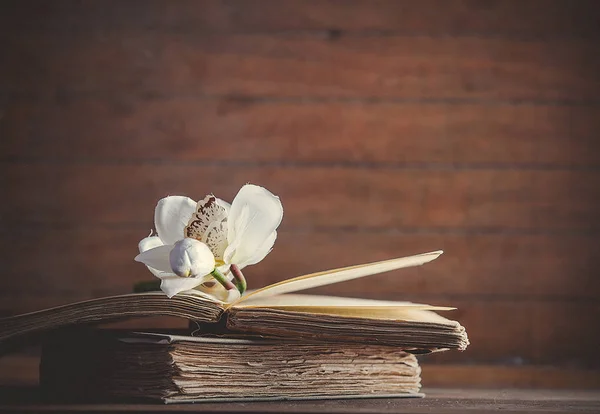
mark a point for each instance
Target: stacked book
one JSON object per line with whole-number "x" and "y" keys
{"x": 270, "y": 344}
{"x": 174, "y": 368}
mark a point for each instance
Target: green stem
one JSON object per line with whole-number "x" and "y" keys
{"x": 240, "y": 280}
{"x": 222, "y": 279}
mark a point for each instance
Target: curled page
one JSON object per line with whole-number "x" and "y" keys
{"x": 339, "y": 275}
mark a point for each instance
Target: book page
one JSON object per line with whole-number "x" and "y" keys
{"x": 107, "y": 366}
{"x": 408, "y": 328}
{"x": 295, "y": 300}
{"x": 189, "y": 305}
{"x": 338, "y": 275}
{"x": 362, "y": 308}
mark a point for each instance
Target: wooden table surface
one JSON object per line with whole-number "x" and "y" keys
{"x": 27, "y": 399}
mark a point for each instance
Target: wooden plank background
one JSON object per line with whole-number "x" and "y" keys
{"x": 386, "y": 127}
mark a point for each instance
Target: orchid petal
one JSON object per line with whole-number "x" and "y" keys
{"x": 255, "y": 214}
{"x": 148, "y": 243}
{"x": 171, "y": 216}
{"x": 191, "y": 257}
{"x": 160, "y": 274}
{"x": 174, "y": 285}
{"x": 262, "y": 251}
{"x": 157, "y": 258}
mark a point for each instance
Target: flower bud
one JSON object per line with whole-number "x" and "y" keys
{"x": 191, "y": 258}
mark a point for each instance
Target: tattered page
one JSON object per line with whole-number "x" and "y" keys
{"x": 322, "y": 318}
{"x": 175, "y": 368}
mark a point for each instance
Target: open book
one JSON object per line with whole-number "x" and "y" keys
{"x": 273, "y": 312}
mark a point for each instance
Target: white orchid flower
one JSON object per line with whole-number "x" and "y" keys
{"x": 156, "y": 251}
{"x": 194, "y": 238}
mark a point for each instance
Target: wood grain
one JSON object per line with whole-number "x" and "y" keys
{"x": 182, "y": 129}
{"x": 439, "y": 17}
{"x": 511, "y": 333}
{"x": 96, "y": 261}
{"x": 511, "y": 377}
{"x": 391, "y": 67}
{"x": 387, "y": 128}
{"x": 312, "y": 197}
{"x": 438, "y": 400}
